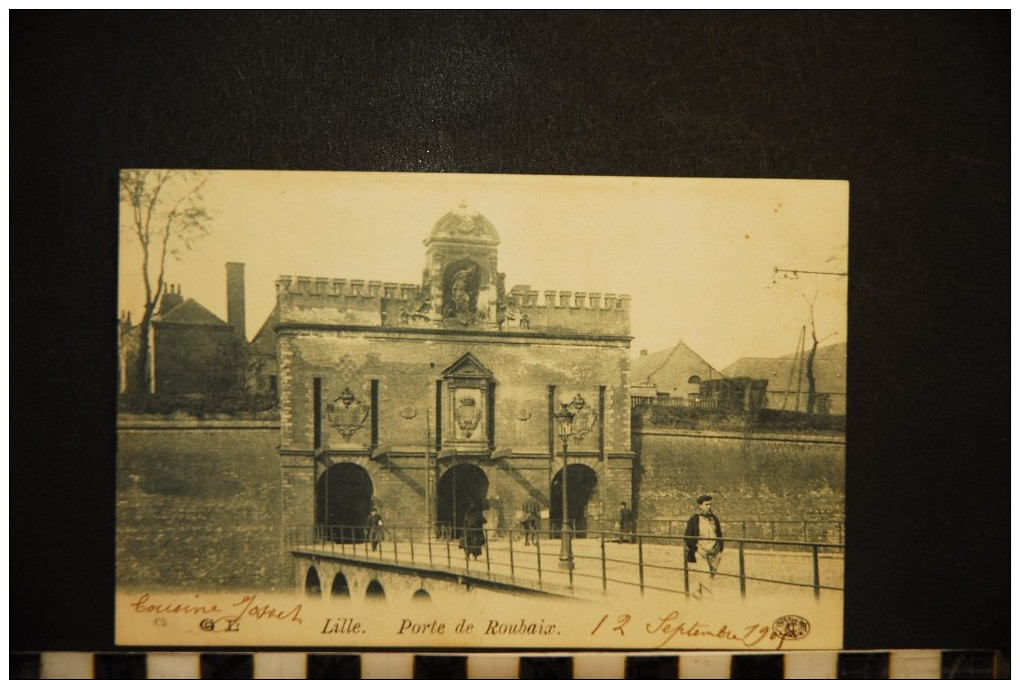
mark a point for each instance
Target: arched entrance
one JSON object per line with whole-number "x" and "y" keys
{"x": 340, "y": 587}
{"x": 312, "y": 585}
{"x": 460, "y": 488}
{"x": 375, "y": 591}
{"x": 581, "y": 484}
{"x": 343, "y": 499}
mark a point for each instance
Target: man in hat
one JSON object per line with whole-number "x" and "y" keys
{"x": 703, "y": 543}
{"x": 626, "y": 524}
{"x": 374, "y": 528}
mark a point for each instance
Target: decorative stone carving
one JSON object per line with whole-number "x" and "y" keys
{"x": 347, "y": 414}
{"x": 461, "y": 283}
{"x": 419, "y": 307}
{"x": 584, "y": 418}
{"x": 468, "y": 415}
{"x": 467, "y": 406}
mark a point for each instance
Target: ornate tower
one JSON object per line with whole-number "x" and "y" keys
{"x": 465, "y": 287}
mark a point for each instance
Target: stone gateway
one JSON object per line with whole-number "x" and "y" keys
{"x": 428, "y": 399}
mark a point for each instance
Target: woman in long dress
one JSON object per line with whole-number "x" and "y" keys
{"x": 474, "y": 535}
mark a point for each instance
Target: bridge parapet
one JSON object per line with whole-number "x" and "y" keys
{"x": 603, "y": 566}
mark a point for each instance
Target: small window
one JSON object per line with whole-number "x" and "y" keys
{"x": 694, "y": 380}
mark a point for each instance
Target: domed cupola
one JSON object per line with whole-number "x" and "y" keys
{"x": 464, "y": 224}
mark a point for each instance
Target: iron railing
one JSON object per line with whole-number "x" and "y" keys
{"x": 804, "y": 531}
{"x": 643, "y": 562}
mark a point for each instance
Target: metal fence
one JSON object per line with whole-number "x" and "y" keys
{"x": 640, "y": 563}
{"x": 804, "y": 531}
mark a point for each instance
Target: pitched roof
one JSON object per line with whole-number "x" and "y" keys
{"x": 829, "y": 369}
{"x": 192, "y": 313}
{"x": 671, "y": 368}
{"x": 264, "y": 341}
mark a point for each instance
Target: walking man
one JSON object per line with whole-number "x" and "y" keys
{"x": 626, "y": 524}
{"x": 373, "y": 526}
{"x": 703, "y": 544}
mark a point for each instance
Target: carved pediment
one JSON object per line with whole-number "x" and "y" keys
{"x": 468, "y": 366}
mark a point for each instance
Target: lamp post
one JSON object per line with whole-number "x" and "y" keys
{"x": 564, "y": 420}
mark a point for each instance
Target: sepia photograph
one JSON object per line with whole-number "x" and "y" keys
{"x": 480, "y": 411}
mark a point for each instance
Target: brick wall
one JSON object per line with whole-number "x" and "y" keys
{"x": 407, "y": 370}
{"x": 778, "y": 477}
{"x": 199, "y": 506}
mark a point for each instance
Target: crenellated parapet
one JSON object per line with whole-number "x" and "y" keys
{"x": 522, "y": 297}
{"x": 336, "y": 301}
{"x": 344, "y": 288}
{"x": 566, "y": 311}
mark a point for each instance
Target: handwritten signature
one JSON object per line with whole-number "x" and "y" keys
{"x": 230, "y": 616}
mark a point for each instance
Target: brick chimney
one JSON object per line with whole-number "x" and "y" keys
{"x": 235, "y": 297}
{"x": 171, "y": 298}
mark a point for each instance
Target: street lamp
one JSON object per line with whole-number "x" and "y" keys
{"x": 564, "y": 420}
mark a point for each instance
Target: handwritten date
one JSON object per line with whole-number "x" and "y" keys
{"x": 671, "y": 628}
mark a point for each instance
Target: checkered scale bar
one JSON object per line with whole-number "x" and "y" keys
{"x": 886, "y": 664}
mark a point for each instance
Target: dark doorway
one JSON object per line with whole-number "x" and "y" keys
{"x": 343, "y": 500}
{"x": 340, "y": 587}
{"x": 312, "y": 584}
{"x": 581, "y": 485}
{"x": 459, "y": 489}
{"x": 375, "y": 591}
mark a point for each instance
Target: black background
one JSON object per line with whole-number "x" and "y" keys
{"x": 912, "y": 108}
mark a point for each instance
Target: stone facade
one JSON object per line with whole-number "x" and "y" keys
{"x": 425, "y": 399}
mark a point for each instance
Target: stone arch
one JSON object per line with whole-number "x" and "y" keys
{"x": 313, "y": 586}
{"x": 375, "y": 591}
{"x": 341, "y": 588}
{"x": 343, "y": 499}
{"x": 460, "y": 488}
{"x": 421, "y": 596}
{"x": 582, "y": 482}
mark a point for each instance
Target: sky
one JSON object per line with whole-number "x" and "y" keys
{"x": 697, "y": 256}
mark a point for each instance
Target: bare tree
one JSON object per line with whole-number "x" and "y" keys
{"x": 809, "y": 370}
{"x": 777, "y": 273}
{"x": 163, "y": 210}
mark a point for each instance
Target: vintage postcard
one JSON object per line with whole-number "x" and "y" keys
{"x": 371, "y": 410}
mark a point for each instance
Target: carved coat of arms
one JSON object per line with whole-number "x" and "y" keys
{"x": 584, "y": 418}
{"x": 347, "y": 414}
{"x": 468, "y": 416}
